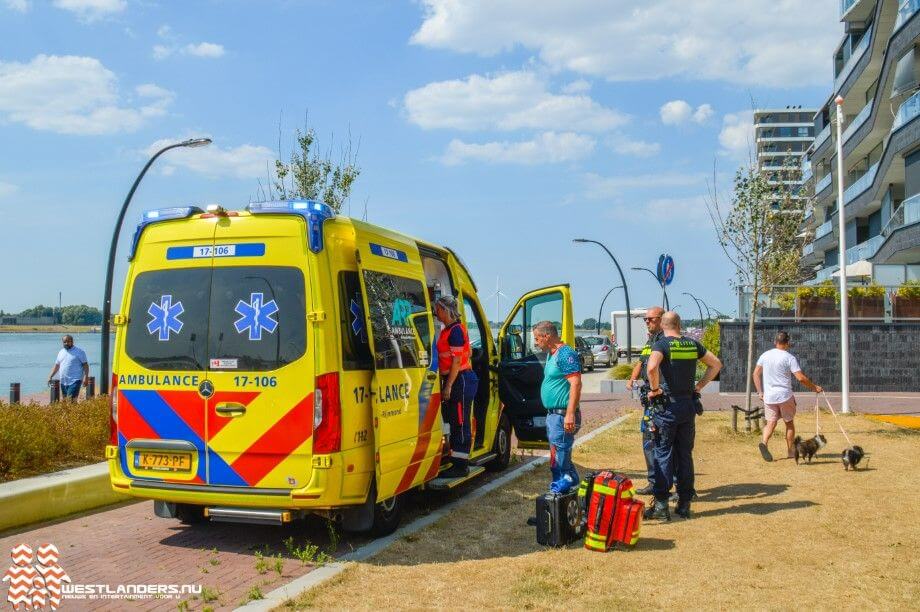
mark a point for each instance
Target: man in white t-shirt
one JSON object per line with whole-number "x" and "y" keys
{"x": 72, "y": 367}
{"x": 777, "y": 367}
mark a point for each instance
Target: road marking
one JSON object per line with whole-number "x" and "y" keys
{"x": 279, "y": 596}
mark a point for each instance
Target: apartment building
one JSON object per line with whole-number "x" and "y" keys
{"x": 877, "y": 72}
{"x": 781, "y": 137}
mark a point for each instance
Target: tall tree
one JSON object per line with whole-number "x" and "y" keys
{"x": 758, "y": 232}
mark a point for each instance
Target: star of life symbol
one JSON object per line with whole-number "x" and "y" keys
{"x": 165, "y": 317}
{"x": 357, "y": 323}
{"x": 256, "y": 316}
{"x": 35, "y": 586}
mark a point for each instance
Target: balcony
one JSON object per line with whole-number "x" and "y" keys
{"x": 860, "y": 184}
{"x": 826, "y": 273}
{"x": 857, "y": 121}
{"x": 824, "y": 183}
{"x": 824, "y": 229}
{"x": 907, "y": 213}
{"x": 854, "y": 58}
{"x": 909, "y": 109}
{"x": 821, "y": 137}
{"x": 905, "y": 11}
{"x": 864, "y": 250}
{"x": 808, "y": 249}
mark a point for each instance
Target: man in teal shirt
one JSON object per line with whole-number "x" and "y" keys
{"x": 560, "y": 392}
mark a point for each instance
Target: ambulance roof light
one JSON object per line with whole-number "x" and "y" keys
{"x": 160, "y": 214}
{"x": 315, "y": 213}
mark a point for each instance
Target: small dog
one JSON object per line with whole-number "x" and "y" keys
{"x": 851, "y": 457}
{"x": 806, "y": 449}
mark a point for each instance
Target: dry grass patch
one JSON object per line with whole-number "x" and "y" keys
{"x": 36, "y": 439}
{"x": 765, "y": 536}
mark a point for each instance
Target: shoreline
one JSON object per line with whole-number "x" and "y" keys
{"x": 48, "y": 329}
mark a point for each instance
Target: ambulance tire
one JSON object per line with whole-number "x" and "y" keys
{"x": 502, "y": 446}
{"x": 387, "y": 516}
{"x": 189, "y": 514}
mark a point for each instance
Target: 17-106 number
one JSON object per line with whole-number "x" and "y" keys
{"x": 255, "y": 381}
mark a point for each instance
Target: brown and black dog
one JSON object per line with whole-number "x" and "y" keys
{"x": 806, "y": 449}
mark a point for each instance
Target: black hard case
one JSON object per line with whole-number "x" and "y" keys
{"x": 559, "y": 519}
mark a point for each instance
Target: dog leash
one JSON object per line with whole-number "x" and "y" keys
{"x": 831, "y": 408}
{"x": 817, "y": 414}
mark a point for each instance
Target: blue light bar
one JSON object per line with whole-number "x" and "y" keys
{"x": 160, "y": 214}
{"x": 313, "y": 212}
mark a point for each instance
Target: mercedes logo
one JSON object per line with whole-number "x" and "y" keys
{"x": 206, "y": 389}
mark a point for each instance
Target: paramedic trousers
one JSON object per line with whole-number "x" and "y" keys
{"x": 648, "y": 449}
{"x": 674, "y": 436}
{"x": 457, "y": 410}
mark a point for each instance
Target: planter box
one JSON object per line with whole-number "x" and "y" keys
{"x": 906, "y": 307}
{"x": 818, "y": 308}
{"x": 867, "y": 307}
{"x": 777, "y": 313}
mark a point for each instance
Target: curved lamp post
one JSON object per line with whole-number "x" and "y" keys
{"x": 664, "y": 291}
{"x": 625, "y": 295}
{"x": 700, "y": 308}
{"x": 110, "y": 270}
{"x": 601, "y": 309}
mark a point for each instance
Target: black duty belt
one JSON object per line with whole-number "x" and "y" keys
{"x": 561, "y": 411}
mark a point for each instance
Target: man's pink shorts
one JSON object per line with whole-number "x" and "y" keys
{"x": 772, "y": 412}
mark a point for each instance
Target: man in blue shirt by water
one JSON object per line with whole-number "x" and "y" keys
{"x": 560, "y": 393}
{"x": 71, "y": 362}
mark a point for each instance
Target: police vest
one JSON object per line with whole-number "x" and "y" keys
{"x": 446, "y": 351}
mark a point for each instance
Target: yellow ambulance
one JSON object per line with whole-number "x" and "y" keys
{"x": 278, "y": 361}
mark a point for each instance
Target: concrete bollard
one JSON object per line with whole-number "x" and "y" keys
{"x": 91, "y": 388}
{"x": 15, "y": 393}
{"x": 55, "y": 391}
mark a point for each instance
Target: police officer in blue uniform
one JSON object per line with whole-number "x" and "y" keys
{"x": 653, "y": 324}
{"x": 675, "y": 399}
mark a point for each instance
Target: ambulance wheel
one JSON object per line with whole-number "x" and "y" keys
{"x": 502, "y": 446}
{"x": 387, "y": 515}
{"x": 189, "y": 514}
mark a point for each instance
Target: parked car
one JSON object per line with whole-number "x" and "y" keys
{"x": 585, "y": 355}
{"x": 604, "y": 351}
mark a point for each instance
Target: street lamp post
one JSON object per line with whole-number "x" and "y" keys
{"x": 110, "y": 270}
{"x": 664, "y": 292}
{"x": 842, "y": 261}
{"x": 625, "y": 295}
{"x": 601, "y": 309}
{"x": 700, "y": 308}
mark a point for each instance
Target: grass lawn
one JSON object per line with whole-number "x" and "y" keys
{"x": 765, "y": 536}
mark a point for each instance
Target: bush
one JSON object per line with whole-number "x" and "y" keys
{"x": 910, "y": 289}
{"x": 786, "y": 301}
{"x": 826, "y": 289}
{"x": 38, "y": 439}
{"x": 868, "y": 291}
{"x": 622, "y": 371}
{"x": 711, "y": 339}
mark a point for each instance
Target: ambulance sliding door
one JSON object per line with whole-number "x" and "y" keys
{"x": 520, "y": 369}
{"x": 404, "y": 390}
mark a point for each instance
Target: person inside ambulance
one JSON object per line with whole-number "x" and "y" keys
{"x": 458, "y": 383}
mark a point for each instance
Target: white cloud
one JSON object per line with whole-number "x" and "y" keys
{"x": 678, "y": 112}
{"x": 757, "y": 42}
{"x": 7, "y": 189}
{"x": 20, "y": 6}
{"x": 204, "y": 49}
{"x": 164, "y": 31}
{"x": 737, "y": 135}
{"x": 546, "y": 148}
{"x": 72, "y": 95}
{"x": 599, "y": 187}
{"x": 680, "y": 211}
{"x": 579, "y": 86}
{"x": 242, "y": 162}
{"x": 508, "y": 101}
{"x": 635, "y": 148}
{"x": 91, "y": 10}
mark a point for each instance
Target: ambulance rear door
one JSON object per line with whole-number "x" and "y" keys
{"x": 520, "y": 368}
{"x": 404, "y": 390}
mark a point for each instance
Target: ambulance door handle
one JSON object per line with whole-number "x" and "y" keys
{"x": 431, "y": 376}
{"x": 230, "y": 409}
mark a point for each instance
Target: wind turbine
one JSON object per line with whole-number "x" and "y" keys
{"x": 498, "y": 295}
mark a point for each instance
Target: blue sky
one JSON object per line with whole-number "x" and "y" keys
{"x": 501, "y": 128}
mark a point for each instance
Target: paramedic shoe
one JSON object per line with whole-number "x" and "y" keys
{"x": 765, "y": 452}
{"x": 458, "y": 469}
{"x": 646, "y": 490}
{"x": 682, "y": 510}
{"x": 658, "y": 510}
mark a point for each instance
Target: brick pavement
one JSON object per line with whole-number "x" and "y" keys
{"x": 128, "y": 544}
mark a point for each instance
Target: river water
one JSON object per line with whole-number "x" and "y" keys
{"x": 27, "y": 359}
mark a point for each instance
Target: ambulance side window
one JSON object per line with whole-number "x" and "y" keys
{"x": 391, "y": 300}
{"x": 356, "y": 351}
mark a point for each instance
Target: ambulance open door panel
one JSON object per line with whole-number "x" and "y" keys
{"x": 520, "y": 369}
{"x": 405, "y": 389}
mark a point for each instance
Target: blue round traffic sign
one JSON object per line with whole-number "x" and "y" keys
{"x": 665, "y": 269}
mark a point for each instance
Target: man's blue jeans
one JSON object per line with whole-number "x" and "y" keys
{"x": 71, "y": 391}
{"x": 560, "y": 443}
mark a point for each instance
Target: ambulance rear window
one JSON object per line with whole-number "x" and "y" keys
{"x": 392, "y": 301}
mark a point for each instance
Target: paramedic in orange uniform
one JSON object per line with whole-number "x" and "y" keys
{"x": 458, "y": 383}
